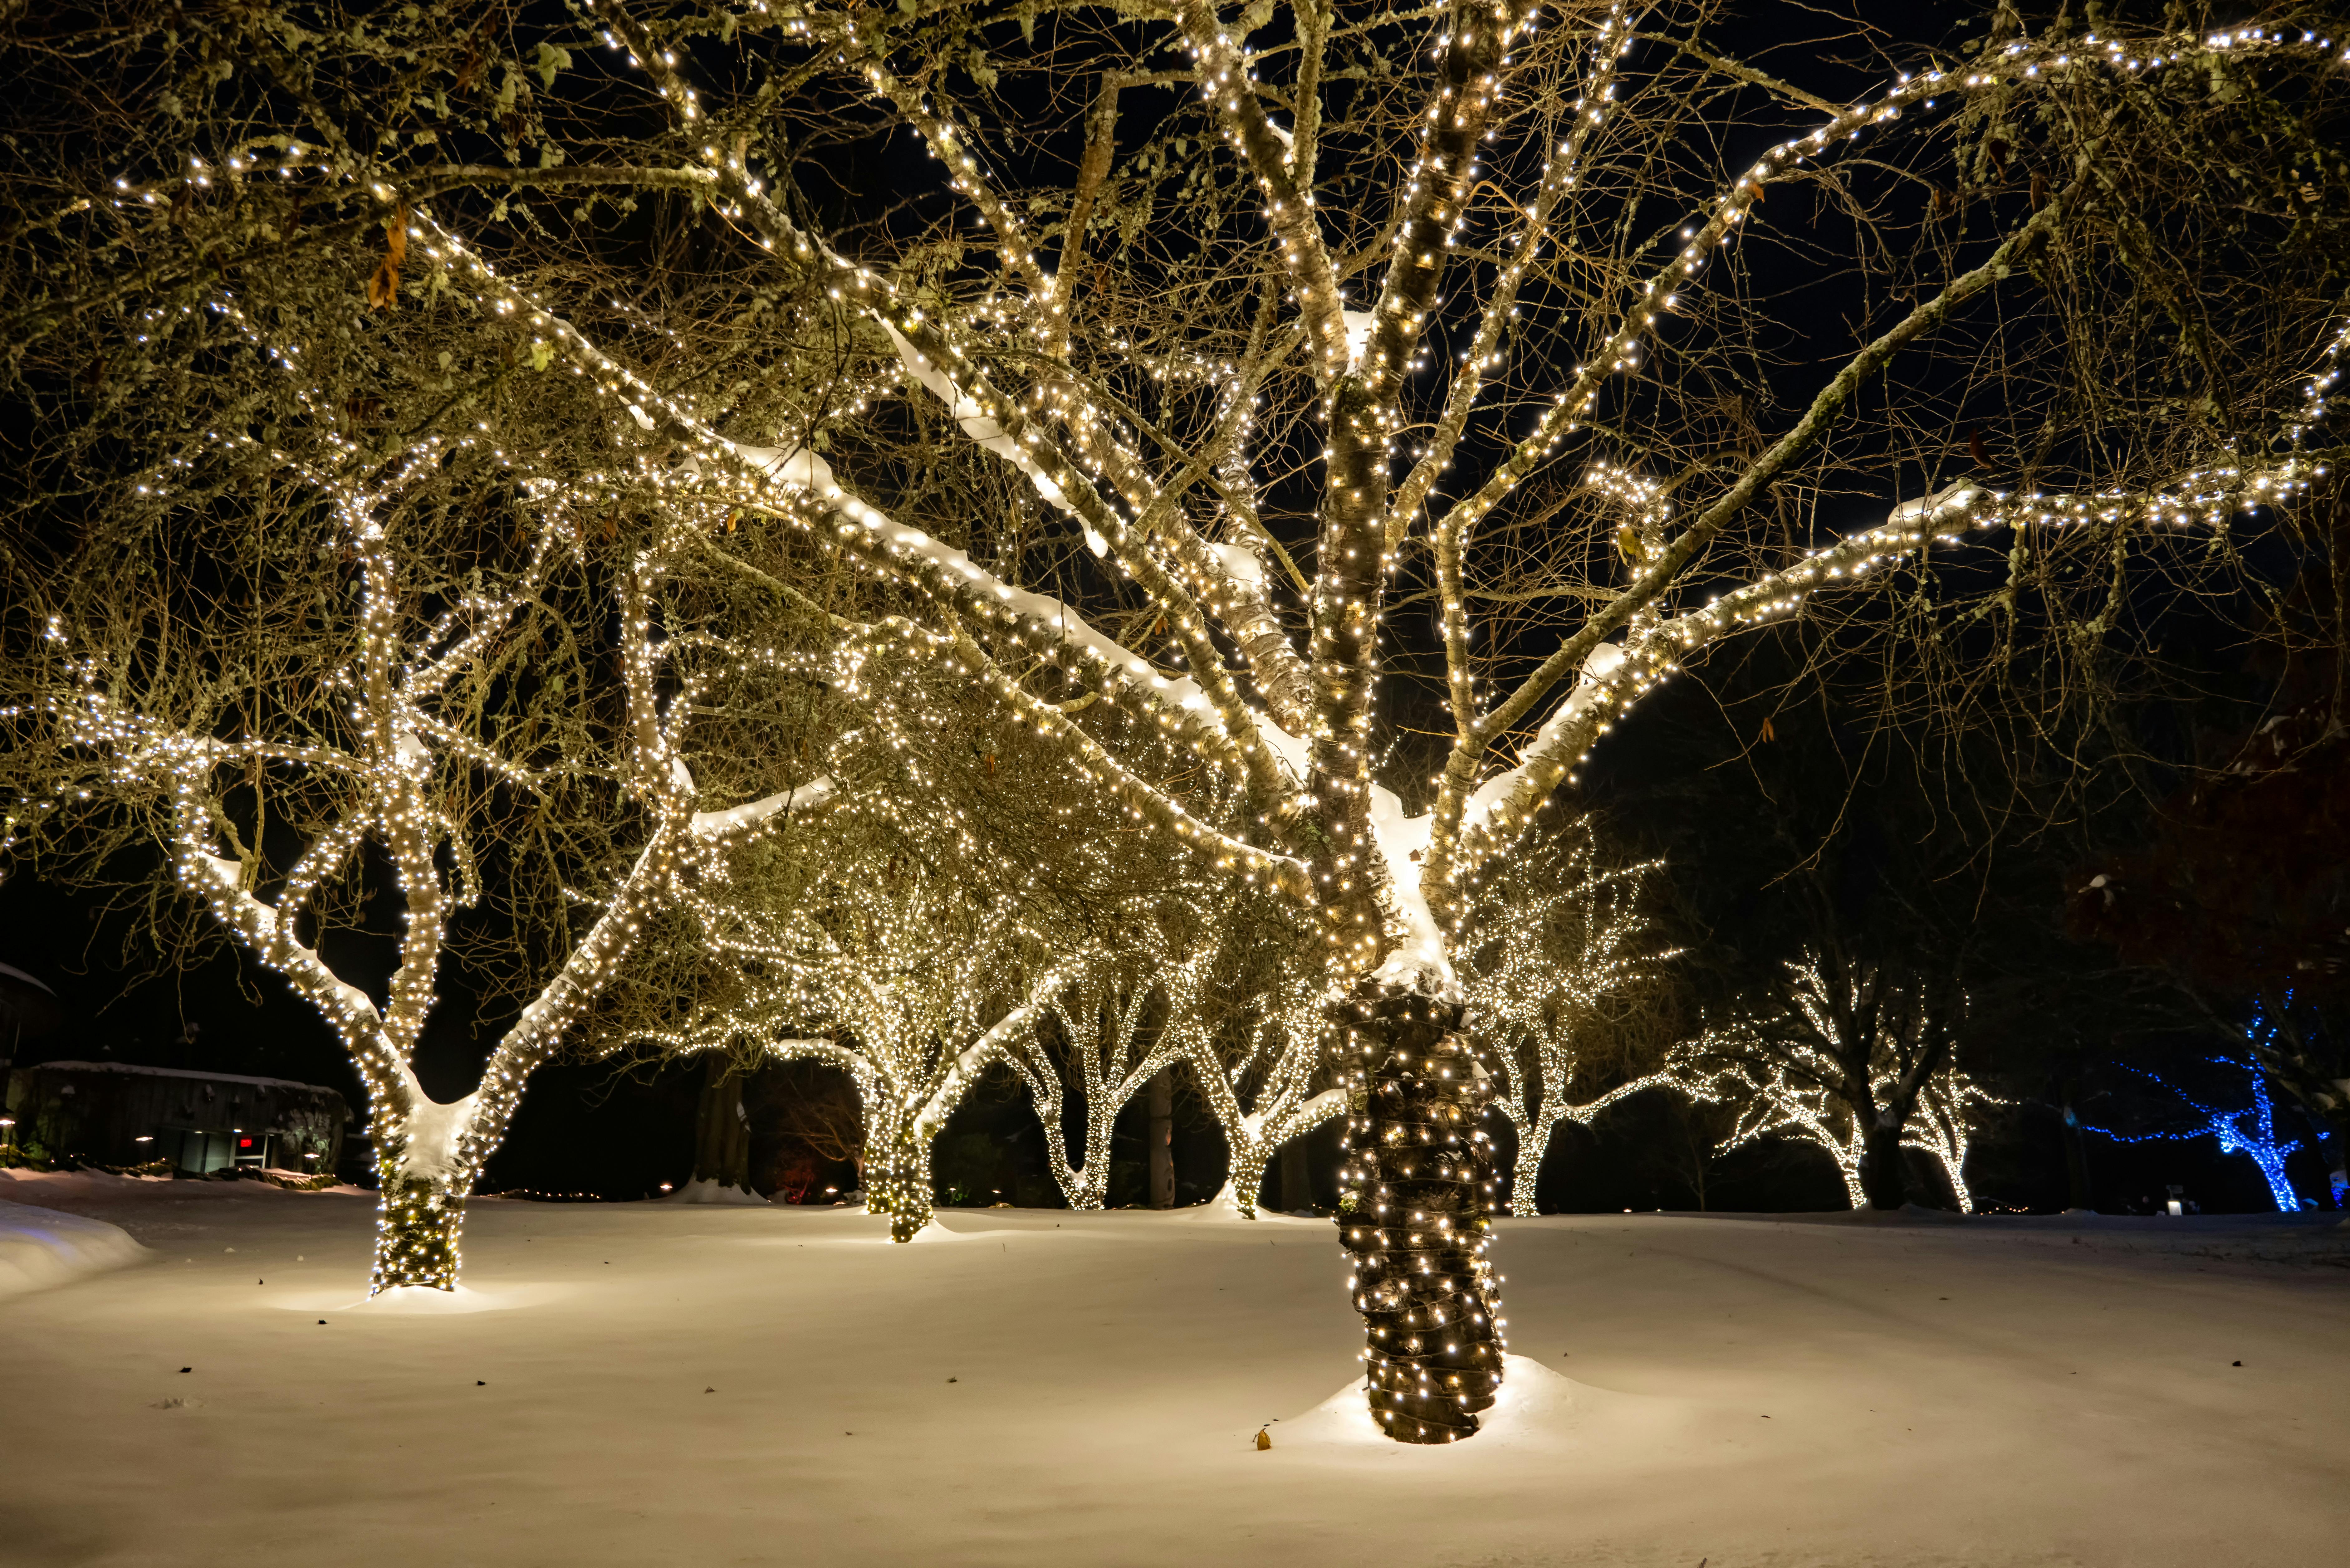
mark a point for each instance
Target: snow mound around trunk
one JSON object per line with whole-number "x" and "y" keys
{"x": 421, "y": 1300}
{"x": 708, "y": 1191}
{"x": 1536, "y": 1407}
{"x": 43, "y": 1247}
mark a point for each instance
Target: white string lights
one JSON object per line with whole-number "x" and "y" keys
{"x": 1819, "y": 1084}
{"x": 1298, "y": 738}
{"x": 1257, "y": 1072}
{"x": 1548, "y": 944}
{"x": 1115, "y": 1023}
{"x": 406, "y": 738}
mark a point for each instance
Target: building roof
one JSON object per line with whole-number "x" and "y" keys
{"x": 178, "y": 1072}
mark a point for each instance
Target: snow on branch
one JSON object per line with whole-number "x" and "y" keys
{"x": 1615, "y": 679}
{"x": 738, "y": 819}
{"x": 1229, "y": 85}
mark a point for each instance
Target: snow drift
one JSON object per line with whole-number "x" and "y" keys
{"x": 42, "y": 1247}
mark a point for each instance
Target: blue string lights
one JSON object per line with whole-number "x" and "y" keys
{"x": 2251, "y": 1130}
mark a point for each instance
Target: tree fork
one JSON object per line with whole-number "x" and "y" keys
{"x": 1414, "y": 1194}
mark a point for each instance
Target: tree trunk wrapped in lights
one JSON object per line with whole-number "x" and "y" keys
{"x": 1457, "y": 309}
{"x": 898, "y": 1167}
{"x": 1413, "y": 1197}
{"x": 419, "y": 1224}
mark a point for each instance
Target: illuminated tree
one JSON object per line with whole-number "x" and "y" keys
{"x": 1114, "y": 1039}
{"x": 1328, "y": 335}
{"x": 2239, "y": 888}
{"x": 2251, "y": 1130}
{"x": 1553, "y": 979}
{"x": 1256, "y": 1056}
{"x": 386, "y": 711}
{"x": 1854, "y": 1056}
{"x": 889, "y": 956}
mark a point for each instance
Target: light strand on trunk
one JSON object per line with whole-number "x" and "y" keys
{"x": 1414, "y": 1195}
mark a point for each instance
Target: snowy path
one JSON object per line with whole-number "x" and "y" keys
{"x": 1054, "y": 1390}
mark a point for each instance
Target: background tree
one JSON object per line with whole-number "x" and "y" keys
{"x": 1252, "y": 1027}
{"x": 1561, "y": 983}
{"x": 1856, "y": 1060}
{"x": 2236, "y": 890}
{"x": 1114, "y": 1038}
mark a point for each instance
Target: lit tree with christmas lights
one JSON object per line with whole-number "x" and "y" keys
{"x": 1114, "y": 1039}
{"x": 1337, "y": 342}
{"x": 1855, "y": 1057}
{"x": 1256, "y": 1055}
{"x": 892, "y": 958}
{"x": 1558, "y": 979}
{"x": 367, "y": 720}
{"x": 2251, "y": 1130}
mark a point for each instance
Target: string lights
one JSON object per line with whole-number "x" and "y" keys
{"x": 2251, "y": 1130}
{"x": 1550, "y": 940}
{"x": 403, "y": 741}
{"x": 1283, "y": 716}
{"x": 1851, "y": 1063}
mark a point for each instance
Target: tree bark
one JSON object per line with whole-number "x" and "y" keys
{"x": 2076, "y": 1164}
{"x": 722, "y": 1134}
{"x": 1884, "y": 1174}
{"x": 1412, "y": 1214}
{"x": 737, "y": 1169}
{"x": 1159, "y": 1104}
{"x": 1296, "y": 1183}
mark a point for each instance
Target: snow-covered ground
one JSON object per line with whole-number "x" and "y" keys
{"x": 661, "y": 1384}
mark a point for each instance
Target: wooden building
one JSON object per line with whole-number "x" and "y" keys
{"x": 114, "y": 1114}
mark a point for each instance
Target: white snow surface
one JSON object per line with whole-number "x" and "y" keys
{"x": 434, "y": 1128}
{"x": 790, "y": 466}
{"x": 1243, "y": 563}
{"x": 42, "y": 1247}
{"x": 1420, "y": 961}
{"x": 1597, "y": 665}
{"x": 709, "y": 1190}
{"x": 772, "y": 1385}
